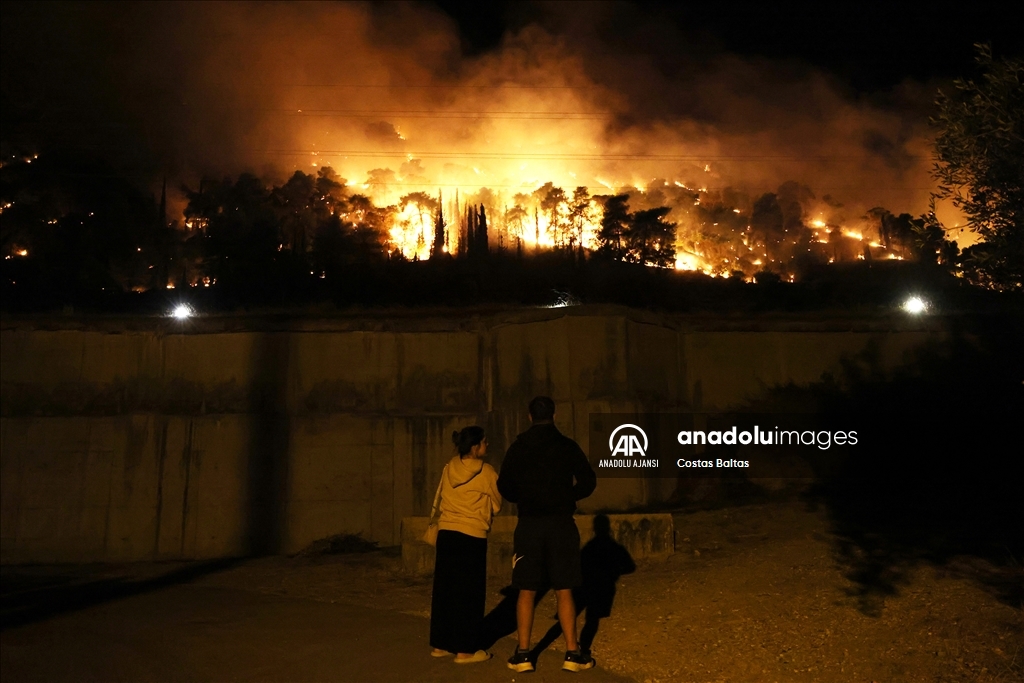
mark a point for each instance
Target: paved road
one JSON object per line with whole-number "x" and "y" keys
{"x": 186, "y": 632}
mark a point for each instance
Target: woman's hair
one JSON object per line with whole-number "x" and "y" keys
{"x": 467, "y": 438}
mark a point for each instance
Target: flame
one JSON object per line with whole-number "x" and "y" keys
{"x": 412, "y": 232}
{"x": 687, "y": 261}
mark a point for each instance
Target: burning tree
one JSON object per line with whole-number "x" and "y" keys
{"x": 650, "y": 239}
{"x": 552, "y": 201}
{"x": 581, "y": 214}
{"x": 414, "y": 224}
{"x": 643, "y": 237}
{"x": 515, "y": 221}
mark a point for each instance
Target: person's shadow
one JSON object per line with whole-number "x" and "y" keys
{"x": 603, "y": 561}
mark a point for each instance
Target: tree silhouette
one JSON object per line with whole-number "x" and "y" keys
{"x": 614, "y": 224}
{"x": 580, "y": 214}
{"x": 481, "y": 231}
{"x": 650, "y": 239}
{"x": 767, "y": 227}
{"x": 515, "y": 220}
{"x": 979, "y": 163}
{"x": 295, "y": 202}
{"x": 552, "y": 202}
{"x": 440, "y": 244}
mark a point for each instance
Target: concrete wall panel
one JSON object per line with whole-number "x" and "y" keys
{"x": 121, "y": 445}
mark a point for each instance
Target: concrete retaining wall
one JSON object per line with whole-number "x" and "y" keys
{"x": 643, "y": 536}
{"x": 126, "y": 440}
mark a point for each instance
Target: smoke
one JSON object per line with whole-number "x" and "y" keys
{"x": 597, "y": 96}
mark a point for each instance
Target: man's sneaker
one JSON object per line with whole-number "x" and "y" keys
{"x": 577, "y": 660}
{"x": 520, "y": 661}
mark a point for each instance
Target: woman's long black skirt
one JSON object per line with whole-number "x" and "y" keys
{"x": 460, "y": 590}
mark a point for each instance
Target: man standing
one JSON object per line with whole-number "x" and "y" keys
{"x": 544, "y": 473}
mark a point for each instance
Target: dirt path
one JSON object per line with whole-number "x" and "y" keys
{"x": 755, "y": 595}
{"x": 752, "y": 594}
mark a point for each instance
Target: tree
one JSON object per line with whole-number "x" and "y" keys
{"x": 295, "y": 205}
{"x": 614, "y": 224}
{"x": 439, "y": 247}
{"x": 979, "y": 163}
{"x": 651, "y": 240}
{"x": 481, "y": 231}
{"x": 896, "y": 232}
{"x": 515, "y": 220}
{"x": 552, "y": 201}
{"x": 922, "y": 238}
{"x": 767, "y": 224}
{"x": 580, "y": 213}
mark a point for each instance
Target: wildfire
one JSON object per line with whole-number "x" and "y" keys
{"x": 685, "y": 261}
{"x": 533, "y": 216}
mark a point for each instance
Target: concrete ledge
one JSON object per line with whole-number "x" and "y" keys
{"x": 643, "y": 535}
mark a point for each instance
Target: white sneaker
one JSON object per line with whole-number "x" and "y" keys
{"x": 478, "y": 656}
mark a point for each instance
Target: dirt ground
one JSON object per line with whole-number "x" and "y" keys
{"x": 754, "y": 593}
{"x": 757, "y": 593}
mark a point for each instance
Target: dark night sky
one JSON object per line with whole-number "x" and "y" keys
{"x": 871, "y": 45}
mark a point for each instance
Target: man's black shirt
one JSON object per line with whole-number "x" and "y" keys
{"x": 545, "y": 472}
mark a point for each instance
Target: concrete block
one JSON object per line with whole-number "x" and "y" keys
{"x": 644, "y": 536}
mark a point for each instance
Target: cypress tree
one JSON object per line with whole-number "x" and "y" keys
{"x": 481, "y": 232}
{"x": 437, "y": 248}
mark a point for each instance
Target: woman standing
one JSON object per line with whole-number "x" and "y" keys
{"x": 469, "y": 498}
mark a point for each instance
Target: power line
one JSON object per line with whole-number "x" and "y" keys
{"x": 517, "y": 156}
{"x": 435, "y": 86}
{"x": 528, "y": 156}
{"x": 598, "y": 186}
{"x": 501, "y": 116}
{"x": 333, "y": 154}
{"x": 409, "y": 113}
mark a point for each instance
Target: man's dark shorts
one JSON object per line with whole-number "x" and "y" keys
{"x": 546, "y": 554}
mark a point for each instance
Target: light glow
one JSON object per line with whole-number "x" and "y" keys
{"x": 182, "y": 311}
{"x": 915, "y": 305}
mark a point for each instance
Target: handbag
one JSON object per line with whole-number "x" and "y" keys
{"x": 430, "y": 535}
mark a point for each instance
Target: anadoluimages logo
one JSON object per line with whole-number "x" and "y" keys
{"x": 627, "y": 444}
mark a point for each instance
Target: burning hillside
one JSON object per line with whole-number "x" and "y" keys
{"x": 667, "y": 224}
{"x": 608, "y": 102}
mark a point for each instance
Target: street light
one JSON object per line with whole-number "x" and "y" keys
{"x": 915, "y": 305}
{"x": 182, "y": 311}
